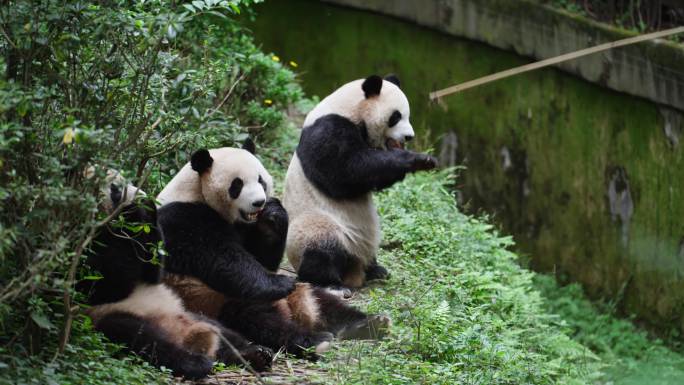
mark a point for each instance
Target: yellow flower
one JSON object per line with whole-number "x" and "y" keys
{"x": 275, "y": 58}
{"x": 268, "y": 102}
{"x": 68, "y": 136}
{"x": 293, "y": 64}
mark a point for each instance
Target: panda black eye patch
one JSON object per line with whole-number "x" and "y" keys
{"x": 235, "y": 188}
{"x": 394, "y": 119}
{"x": 262, "y": 183}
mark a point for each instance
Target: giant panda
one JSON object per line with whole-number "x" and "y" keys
{"x": 352, "y": 144}
{"x": 130, "y": 305}
{"x": 225, "y": 238}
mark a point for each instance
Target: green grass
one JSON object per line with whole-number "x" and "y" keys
{"x": 631, "y": 355}
{"x": 464, "y": 311}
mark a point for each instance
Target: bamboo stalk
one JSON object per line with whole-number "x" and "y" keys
{"x": 551, "y": 61}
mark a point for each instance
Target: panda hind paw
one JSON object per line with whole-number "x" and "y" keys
{"x": 374, "y": 327}
{"x": 376, "y": 272}
{"x": 259, "y": 357}
{"x": 312, "y": 345}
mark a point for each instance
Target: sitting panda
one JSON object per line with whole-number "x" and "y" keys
{"x": 352, "y": 144}
{"x": 131, "y": 306}
{"x": 225, "y": 238}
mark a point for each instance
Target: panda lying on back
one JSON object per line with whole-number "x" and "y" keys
{"x": 131, "y": 306}
{"x": 225, "y": 236}
{"x": 352, "y": 144}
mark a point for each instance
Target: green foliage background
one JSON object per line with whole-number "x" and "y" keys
{"x": 91, "y": 85}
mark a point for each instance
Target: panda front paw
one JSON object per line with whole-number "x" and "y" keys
{"x": 423, "y": 162}
{"x": 273, "y": 219}
{"x": 281, "y": 286}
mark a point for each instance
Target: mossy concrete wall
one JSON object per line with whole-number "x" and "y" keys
{"x": 590, "y": 181}
{"x": 653, "y": 70}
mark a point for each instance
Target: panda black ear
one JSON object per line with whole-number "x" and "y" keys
{"x": 150, "y": 207}
{"x": 249, "y": 146}
{"x": 372, "y": 86}
{"x": 201, "y": 161}
{"x": 115, "y": 195}
{"x": 392, "y": 78}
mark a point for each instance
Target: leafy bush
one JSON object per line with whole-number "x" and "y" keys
{"x": 88, "y": 86}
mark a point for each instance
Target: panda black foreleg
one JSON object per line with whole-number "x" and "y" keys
{"x": 202, "y": 244}
{"x": 146, "y": 340}
{"x": 379, "y": 169}
{"x": 266, "y": 239}
{"x": 337, "y": 159}
{"x": 265, "y": 324}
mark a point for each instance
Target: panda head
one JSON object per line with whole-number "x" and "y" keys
{"x": 375, "y": 103}
{"x": 115, "y": 191}
{"x": 385, "y": 112}
{"x": 124, "y": 247}
{"x": 233, "y": 182}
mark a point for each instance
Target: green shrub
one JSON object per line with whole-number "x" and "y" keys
{"x": 90, "y": 85}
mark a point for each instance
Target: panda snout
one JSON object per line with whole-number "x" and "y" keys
{"x": 408, "y": 138}
{"x": 258, "y": 203}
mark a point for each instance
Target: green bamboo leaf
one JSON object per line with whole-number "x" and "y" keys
{"x": 41, "y": 320}
{"x": 219, "y": 14}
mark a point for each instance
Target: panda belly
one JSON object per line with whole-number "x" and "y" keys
{"x": 300, "y": 306}
{"x": 314, "y": 217}
{"x": 161, "y": 307}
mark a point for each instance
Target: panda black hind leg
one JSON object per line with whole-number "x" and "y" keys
{"x": 327, "y": 263}
{"x": 259, "y": 357}
{"x": 347, "y": 322}
{"x": 270, "y": 324}
{"x": 266, "y": 240}
{"x": 234, "y": 348}
{"x": 154, "y": 345}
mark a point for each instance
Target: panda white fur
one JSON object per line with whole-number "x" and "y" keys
{"x": 352, "y": 144}
{"x": 130, "y": 304}
{"x": 225, "y": 238}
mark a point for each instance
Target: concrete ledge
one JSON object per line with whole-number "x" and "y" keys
{"x": 653, "y": 70}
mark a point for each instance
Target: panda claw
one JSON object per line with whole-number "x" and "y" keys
{"x": 374, "y": 327}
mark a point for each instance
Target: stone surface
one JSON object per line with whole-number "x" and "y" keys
{"x": 653, "y": 70}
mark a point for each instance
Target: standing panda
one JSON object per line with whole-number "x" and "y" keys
{"x": 352, "y": 144}
{"x": 130, "y": 305}
{"x": 225, "y": 237}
